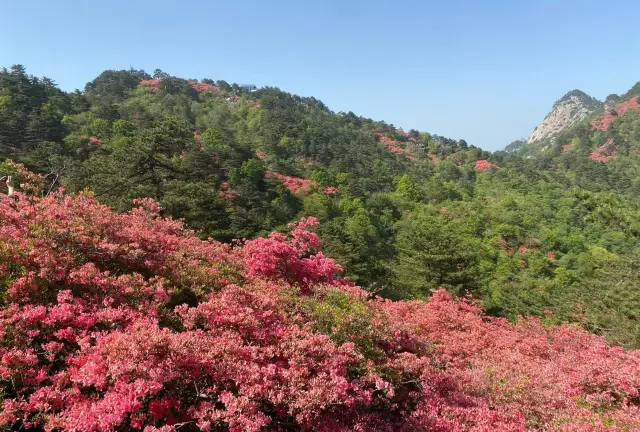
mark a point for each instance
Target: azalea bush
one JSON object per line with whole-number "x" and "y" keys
{"x": 130, "y": 322}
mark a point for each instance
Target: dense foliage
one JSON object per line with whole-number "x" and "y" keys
{"x": 129, "y": 322}
{"x": 526, "y": 231}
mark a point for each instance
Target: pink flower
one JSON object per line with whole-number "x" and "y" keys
{"x": 484, "y": 165}
{"x": 605, "y": 152}
{"x": 294, "y": 184}
{"x": 330, "y": 190}
{"x": 603, "y": 122}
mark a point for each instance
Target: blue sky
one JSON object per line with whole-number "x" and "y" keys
{"x": 486, "y": 71}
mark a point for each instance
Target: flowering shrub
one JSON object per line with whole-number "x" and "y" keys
{"x": 199, "y": 87}
{"x": 130, "y": 322}
{"x": 202, "y": 87}
{"x": 331, "y": 190}
{"x": 605, "y": 152}
{"x": 393, "y": 145}
{"x": 297, "y": 185}
{"x": 603, "y": 122}
{"x": 151, "y": 84}
{"x": 225, "y": 193}
{"x": 92, "y": 139}
{"x": 294, "y": 184}
{"x": 484, "y": 165}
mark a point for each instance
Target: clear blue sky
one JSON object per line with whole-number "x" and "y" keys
{"x": 487, "y": 71}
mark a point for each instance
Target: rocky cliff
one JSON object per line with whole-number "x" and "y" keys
{"x": 566, "y": 112}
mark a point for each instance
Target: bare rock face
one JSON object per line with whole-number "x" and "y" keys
{"x": 567, "y": 111}
{"x": 610, "y": 102}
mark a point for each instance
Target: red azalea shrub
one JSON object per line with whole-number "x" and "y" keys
{"x": 603, "y": 122}
{"x": 151, "y": 84}
{"x": 199, "y": 87}
{"x": 92, "y": 139}
{"x": 393, "y": 145}
{"x": 331, "y": 190}
{"x": 537, "y": 377}
{"x": 484, "y": 165}
{"x": 203, "y": 87}
{"x": 294, "y": 184}
{"x": 130, "y": 322}
{"x": 605, "y": 152}
{"x": 630, "y": 104}
{"x": 225, "y": 193}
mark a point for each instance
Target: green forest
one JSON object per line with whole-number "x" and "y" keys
{"x": 547, "y": 231}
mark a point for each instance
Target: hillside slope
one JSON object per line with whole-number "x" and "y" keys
{"x": 403, "y": 212}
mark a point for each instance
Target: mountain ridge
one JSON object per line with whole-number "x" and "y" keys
{"x": 572, "y": 108}
{"x": 566, "y": 112}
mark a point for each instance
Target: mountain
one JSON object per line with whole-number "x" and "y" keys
{"x": 533, "y": 229}
{"x": 568, "y": 111}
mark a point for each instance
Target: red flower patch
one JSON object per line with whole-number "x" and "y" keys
{"x": 294, "y": 184}
{"x": 484, "y": 165}
{"x": 605, "y": 152}
{"x": 603, "y": 122}
{"x": 331, "y": 190}
{"x": 130, "y": 322}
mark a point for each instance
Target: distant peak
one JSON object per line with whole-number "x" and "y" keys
{"x": 579, "y": 95}
{"x": 568, "y": 111}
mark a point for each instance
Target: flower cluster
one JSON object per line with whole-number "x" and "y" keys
{"x": 151, "y": 84}
{"x": 130, "y": 322}
{"x": 294, "y": 184}
{"x": 154, "y": 85}
{"x": 393, "y": 145}
{"x": 92, "y": 139}
{"x": 331, "y": 190}
{"x": 603, "y": 122}
{"x": 605, "y": 152}
{"x": 484, "y": 165}
{"x": 202, "y": 87}
{"x": 225, "y": 192}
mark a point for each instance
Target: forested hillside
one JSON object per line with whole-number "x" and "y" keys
{"x": 529, "y": 232}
